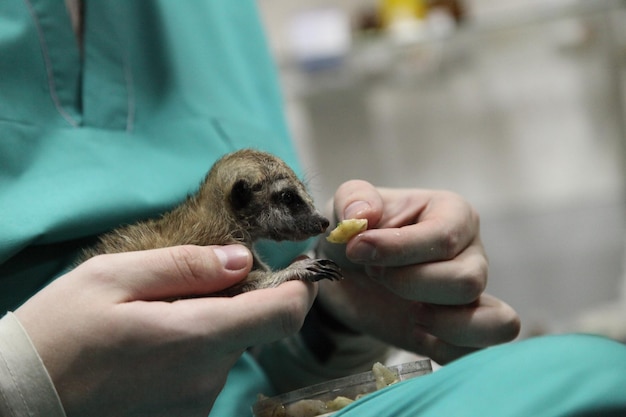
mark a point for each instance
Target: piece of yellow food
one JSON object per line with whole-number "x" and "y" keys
{"x": 338, "y": 403}
{"x": 317, "y": 408}
{"x": 346, "y": 230}
{"x": 384, "y": 376}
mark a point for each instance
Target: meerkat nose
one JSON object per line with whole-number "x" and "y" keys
{"x": 324, "y": 223}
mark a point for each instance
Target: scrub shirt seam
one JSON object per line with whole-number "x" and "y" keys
{"x": 219, "y": 129}
{"x": 128, "y": 75}
{"x": 48, "y": 64}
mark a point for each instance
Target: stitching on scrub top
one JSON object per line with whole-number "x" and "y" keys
{"x": 128, "y": 75}
{"x": 48, "y": 63}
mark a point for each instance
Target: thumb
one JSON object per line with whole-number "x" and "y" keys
{"x": 178, "y": 271}
{"x": 353, "y": 199}
{"x": 358, "y": 199}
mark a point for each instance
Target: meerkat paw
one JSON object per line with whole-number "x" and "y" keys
{"x": 318, "y": 269}
{"x": 313, "y": 270}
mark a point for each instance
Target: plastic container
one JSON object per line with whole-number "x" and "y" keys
{"x": 351, "y": 387}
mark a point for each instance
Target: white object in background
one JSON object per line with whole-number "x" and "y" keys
{"x": 320, "y": 38}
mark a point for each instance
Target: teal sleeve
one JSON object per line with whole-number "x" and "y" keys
{"x": 245, "y": 381}
{"x": 568, "y": 375}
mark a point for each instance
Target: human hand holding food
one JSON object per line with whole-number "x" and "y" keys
{"x": 112, "y": 347}
{"x": 416, "y": 277}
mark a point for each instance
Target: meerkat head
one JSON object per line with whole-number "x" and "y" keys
{"x": 266, "y": 198}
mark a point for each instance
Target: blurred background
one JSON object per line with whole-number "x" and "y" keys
{"x": 518, "y": 105}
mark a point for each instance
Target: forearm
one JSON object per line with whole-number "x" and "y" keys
{"x": 25, "y": 386}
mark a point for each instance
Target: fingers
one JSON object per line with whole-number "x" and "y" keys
{"x": 405, "y": 226}
{"x": 423, "y": 242}
{"x": 358, "y": 199}
{"x": 437, "y": 349}
{"x": 416, "y": 230}
{"x": 424, "y": 247}
{"x": 192, "y": 271}
{"x": 438, "y": 331}
{"x": 173, "y": 272}
{"x": 272, "y": 314}
{"x": 486, "y": 322}
{"x": 441, "y": 350}
{"x": 251, "y": 318}
{"x": 455, "y": 282}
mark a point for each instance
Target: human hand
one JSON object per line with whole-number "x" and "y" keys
{"x": 416, "y": 277}
{"x": 113, "y": 349}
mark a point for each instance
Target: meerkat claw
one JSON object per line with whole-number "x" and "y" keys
{"x": 324, "y": 269}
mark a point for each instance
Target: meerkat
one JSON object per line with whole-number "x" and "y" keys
{"x": 247, "y": 195}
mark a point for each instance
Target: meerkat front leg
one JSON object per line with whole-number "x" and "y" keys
{"x": 311, "y": 270}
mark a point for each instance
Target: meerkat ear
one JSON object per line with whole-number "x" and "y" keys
{"x": 241, "y": 194}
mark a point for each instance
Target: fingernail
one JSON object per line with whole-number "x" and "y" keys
{"x": 363, "y": 252}
{"x": 233, "y": 257}
{"x": 356, "y": 209}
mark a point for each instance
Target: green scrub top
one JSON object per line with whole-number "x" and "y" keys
{"x": 128, "y": 127}
{"x": 550, "y": 376}
{"x": 124, "y": 128}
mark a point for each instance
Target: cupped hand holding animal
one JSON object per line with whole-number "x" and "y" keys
{"x": 416, "y": 277}
{"x": 112, "y": 348}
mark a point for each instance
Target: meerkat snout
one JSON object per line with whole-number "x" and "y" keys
{"x": 320, "y": 224}
{"x": 274, "y": 204}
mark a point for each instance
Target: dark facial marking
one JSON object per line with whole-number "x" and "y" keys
{"x": 240, "y": 195}
{"x": 290, "y": 199}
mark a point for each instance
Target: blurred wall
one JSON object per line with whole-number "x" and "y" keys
{"x": 524, "y": 121}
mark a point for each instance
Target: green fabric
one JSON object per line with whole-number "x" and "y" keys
{"x": 550, "y": 376}
{"x": 245, "y": 381}
{"x": 570, "y": 375}
{"x": 128, "y": 130}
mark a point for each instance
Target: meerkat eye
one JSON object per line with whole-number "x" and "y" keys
{"x": 289, "y": 198}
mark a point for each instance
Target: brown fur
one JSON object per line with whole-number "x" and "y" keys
{"x": 247, "y": 195}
